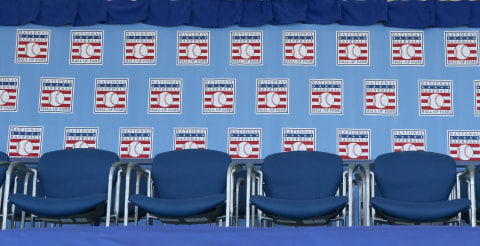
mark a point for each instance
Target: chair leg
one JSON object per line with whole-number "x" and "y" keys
{"x": 220, "y": 222}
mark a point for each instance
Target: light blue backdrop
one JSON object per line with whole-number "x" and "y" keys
{"x": 245, "y": 116}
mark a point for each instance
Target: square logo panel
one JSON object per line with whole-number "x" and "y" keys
{"x": 464, "y": 145}
{"x": 111, "y": 96}
{"x": 193, "y": 48}
{"x": 140, "y": 48}
{"x": 25, "y": 141}
{"x": 165, "y": 96}
{"x": 353, "y": 143}
{"x": 353, "y": 48}
{"x": 246, "y": 48}
{"x": 272, "y": 96}
{"x": 136, "y": 143}
{"x": 326, "y": 96}
{"x": 407, "y": 49}
{"x": 80, "y": 138}
{"x": 436, "y": 97}
{"x": 218, "y": 96}
{"x": 86, "y": 47}
{"x": 380, "y": 96}
{"x": 56, "y": 95}
{"x": 409, "y": 140}
{"x": 244, "y": 143}
{"x": 298, "y": 47}
{"x": 9, "y": 92}
{"x": 298, "y": 139}
{"x": 190, "y": 138}
{"x": 33, "y": 46}
{"x": 461, "y": 48}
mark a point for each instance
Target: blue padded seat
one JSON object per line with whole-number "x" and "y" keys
{"x": 58, "y": 207}
{"x": 178, "y": 207}
{"x": 299, "y": 209}
{"x": 420, "y": 211}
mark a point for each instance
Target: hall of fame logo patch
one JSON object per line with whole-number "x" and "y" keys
{"x": 299, "y": 47}
{"x": 218, "y": 96}
{"x": 140, "y": 48}
{"x": 409, "y": 140}
{"x": 353, "y": 48}
{"x": 436, "y": 97}
{"x": 476, "y": 83}
{"x": 406, "y": 49}
{"x": 111, "y": 96}
{"x": 298, "y": 139}
{"x": 246, "y": 47}
{"x": 272, "y": 96}
{"x": 80, "y": 138}
{"x": 136, "y": 143}
{"x": 190, "y": 138}
{"x": 9, "y": 92}
{"x": 380, "y": 97}
{"x": 165, "y": 96}
{"x": 353, "y": 143}
{"x": 56, "y": 95}
{"x": 326, "y": 96}
{"x": 461, "y": 48}
{"x": 33, "y": 46}
{"x": 464, "y": 145}
{"x": 244, "y": 143}
{"x": 25, "y": 141}
{"x": 193, "y": 48}
{"x": 86, "y": 47}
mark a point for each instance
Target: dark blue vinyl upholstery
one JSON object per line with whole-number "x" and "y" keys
{"x": 187, "y": 183}
{"x": 416, "y": 185}
{"x": 301, "y": 184}
{"x": 3, "y": 169}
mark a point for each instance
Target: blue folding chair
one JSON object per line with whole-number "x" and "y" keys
{"x": 75, "y": 185}
{"x": 299, "y": 188}
{"x": 186, "y": 187}
{"x": 416, "y": 188}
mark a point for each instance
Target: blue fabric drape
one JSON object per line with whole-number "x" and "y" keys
{"x": 126, "y": 11}
{"x": 289, "y": 11}
{"x": 90, "y": 12}
{"x": 57, "y": 12}
{"x": 168, "y": 12}
{"x": 256, "y": 12}
{"x": 323, "y": 11}
{"x": 475, "y": 14}
{"x": 18, "y": 12}
{"x": 411, "y": 14}
{"x": 452, "y": 13}
{"x": 363, "y": 12}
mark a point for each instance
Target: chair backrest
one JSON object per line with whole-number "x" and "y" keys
{"x": 75, "y": 172}
{"x": 302, "y": 175}
{"x": 3, "y": 169}
{"x": 190, "y": 173}
{"x": 415, "y": 176}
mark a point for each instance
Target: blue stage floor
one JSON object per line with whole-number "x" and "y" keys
{"x": 193, "y": 235}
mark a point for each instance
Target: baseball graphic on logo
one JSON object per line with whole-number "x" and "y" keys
{"x": 407, "y": 51}
{"x": 111, "y": 99}
{"x": 246, "y": 51}
{"x": 299, "y": 51}
{"x": 56, "y": 98}
{"x": 380, "y": 100}
{"x": 4, "y": 97}
{"x": 461, "y": 52}
{"x": 244, "y": 149}
{"x": 353, "y": 51}
{"x": 354, "y": 150}
{"x": 140, "y": 51}
{"x": 190, "y": 145}
{"x": 24, "y": 147}
{"x": 465, "y": 152}
{"x": 219, "y": 99}
{"x": 272, "y": 99}
{"x": 32, "y": 49}
{"x": 409, "y": 147}
{"x": 164, "y": 99}
{"x": 80, "y": 145}
{"x": 86, "y": 51}
{"x": 435, "y": 101}
{"x": 326, "y": 100}
{"x": 193, "y": 51}
{"x": 135, "y": 149}
{"x": 299, "y": 146}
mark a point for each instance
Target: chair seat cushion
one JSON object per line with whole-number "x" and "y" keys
{"x": 57, "y": 207}
{"x": 178, "y": 208}
{"x": 299, "y": 209}
{"x": 420, "y": 211}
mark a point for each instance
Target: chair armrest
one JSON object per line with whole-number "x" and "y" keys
{"x": 232, "y": 168}
{"x": 4, "y": 163}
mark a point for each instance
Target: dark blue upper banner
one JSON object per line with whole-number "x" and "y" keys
{"x": 221, "y": 13}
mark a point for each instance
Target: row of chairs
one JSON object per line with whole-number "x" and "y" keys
{"x": 301, "y": 188}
